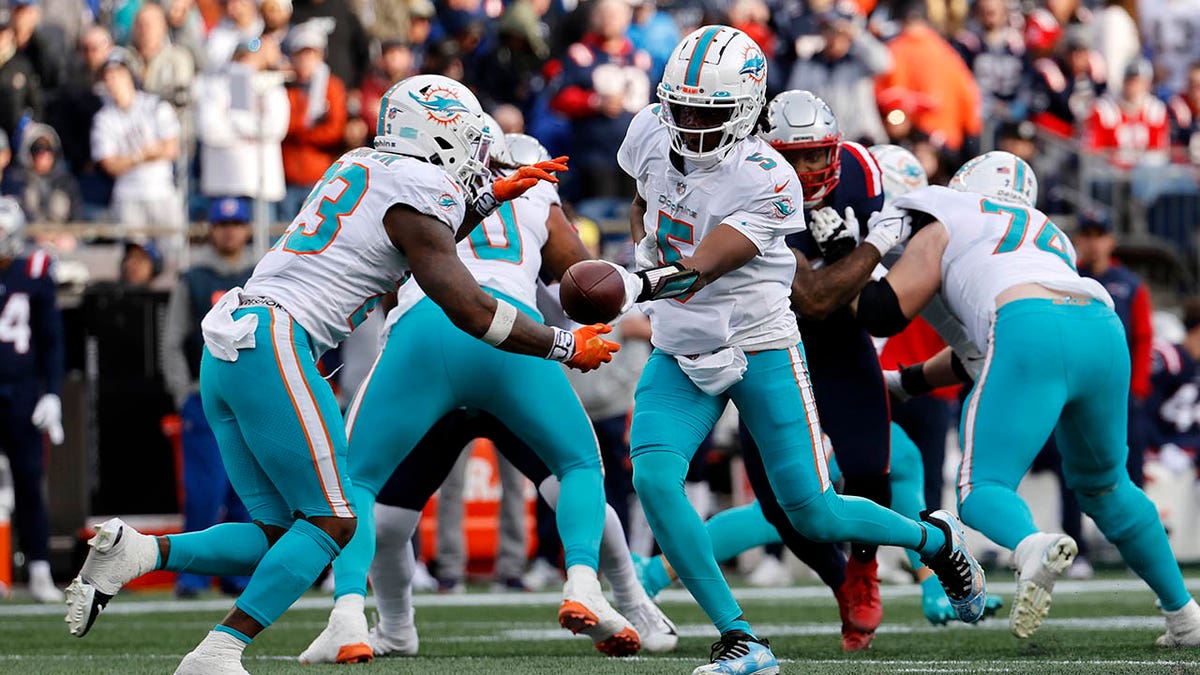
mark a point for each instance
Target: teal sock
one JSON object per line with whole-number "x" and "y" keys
{"x": 739, "y": 624}
{"x": 580, "y": 516}
{"x": 999, "y": 513}
{"x": 739, "y": 529}
{"x": 654, "y": 575}
{"x": 1130, "y": 521}
{"x": 350, "y": 569}
{"x": 287, "y": 571}
{"x": 935, "y": 539}
{"x": 228, "y": 549}
{"x": 221, "y": 628}
{"x": 908, "y": 483}
{"x": 658, "y": 478}
{"x": 834, "y": 517}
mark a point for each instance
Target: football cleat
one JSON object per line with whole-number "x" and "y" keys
{"x": 1040, "y": 558}
{"x": 936, "y": 606}
{"x": 344, "y": 640}
{"x": 957, "y": 570}
{"x": 1183, "y": 627}
{"x": 861, "y": 589}
{"x": 400, "y": 640}
{"x": 213, "y": 656}
{"x": 585, "y": 610}
{"x": 739, "y": 653}
{"x": 119, "y": 555}
{"x": 656, "y": 631}
{"x": 41, "y": 586}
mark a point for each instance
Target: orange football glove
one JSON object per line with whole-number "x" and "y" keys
{"x": 511, "y": 187}
{"x": 591, "y": 350}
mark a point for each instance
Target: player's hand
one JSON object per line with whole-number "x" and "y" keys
{"x": 888, "y": 228}
{"x": 511, "y": 187}
{"x": 591, "y": 350}
{"x": 836, "y": 235}
{"x": 47, "y": 416}
{"x": 634, "y": 285}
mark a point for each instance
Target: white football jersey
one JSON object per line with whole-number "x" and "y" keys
{"x": 335, "y": 261}
{"x": 504, "y": 253}
{"x": 755, "y": 191}
{"x": 995, "y": 245}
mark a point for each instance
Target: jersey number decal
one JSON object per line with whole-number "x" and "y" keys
{"x": 1049, "y": 239}
{"x": 670, "y": 229}
{"x": 340, "y": 191}
{"x": 765, "y": 162}
{"x": 510, "y": 251}
{"x": 14, "y": 322}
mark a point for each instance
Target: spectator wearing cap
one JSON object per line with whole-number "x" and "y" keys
{"x": 47, "y": 191}
{"x": 843, "y": 74}
{"x": 135, "y": 139}
{"x": 224, "y": 264}
{"x": 141, "y": 264}
{"x": 348, "y": 51}
{"x": 241, "y": 23}
{"x": 956, "y": 116}
{"x": 599, "y": 85}
{"x": 1067, "y": 83}
{"x": 242, "y": 115}
{"x": 1132, "y": 126}
{"x": 1185, "y": 116}
{"x": 1171, "y": 409}
{"x": 317, "y": 122}
{"x": 32, "y": 42}
{"x": 20, "y": 88}
{"x": 994, "y": 50}
{"x": 395, "y": 63}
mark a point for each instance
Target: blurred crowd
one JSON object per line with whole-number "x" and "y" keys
{"x": 140, "y": 113}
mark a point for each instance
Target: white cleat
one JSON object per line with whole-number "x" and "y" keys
{"x": 656, "y": 631}
{"x": 119, "y": 555}
{"x": 42, "y": 588}
{"x": 398, "y": 640}
{"x": 584, "y": 609}
{"x": 344, "y": 640}
{"x": 1040, "y": 559}
{"x": 541, "y": 575}
{"x": 770, "y": 573}
{"x": 215, "y": 655}
{"x": 1183, "y": 627}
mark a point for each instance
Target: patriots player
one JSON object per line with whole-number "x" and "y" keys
{"x": 1055, "y": 360}
{"x": 408, "y": 390}
{"x": 713, "y": 208}
{"x": 31, "y": 374}
{"x": 378, "y": 215}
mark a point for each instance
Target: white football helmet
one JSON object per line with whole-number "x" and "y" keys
{"x": 902, "y": 171}
{"x": 712, "y": 92}
{"x": 437, "y": 120}
{"x": 998, "y": 174}
{"x": 498, "y": 151}
{"x": 525, "y": 149}
{"x": 798, "y": 120}
{"x": 12, "y": 228}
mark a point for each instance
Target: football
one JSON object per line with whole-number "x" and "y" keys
{"x": 592, "y": 292}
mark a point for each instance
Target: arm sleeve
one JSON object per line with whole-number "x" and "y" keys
{"x": 49, "y": 335}
{"x": 176, "y": 374}
{"x": 1141, "y": 334}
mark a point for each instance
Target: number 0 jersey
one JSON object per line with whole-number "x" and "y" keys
{"x": 753, "y": 190}
{"x": 335, "y": 261}
{"x": 504, "y": 253}
{"x": 995, "y": 245}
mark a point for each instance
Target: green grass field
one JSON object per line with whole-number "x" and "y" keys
{"x": 1105, "y": 626}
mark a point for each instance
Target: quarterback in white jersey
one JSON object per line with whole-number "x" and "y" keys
{"x": 713, "y": 208}
{"x": 1056, "y": 361}
{"x": 376, "y": 213}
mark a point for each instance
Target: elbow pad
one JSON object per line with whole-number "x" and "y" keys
{"x": 879, "y": 309}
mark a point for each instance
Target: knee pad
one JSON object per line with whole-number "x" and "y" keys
{"x": 657, "y": 475}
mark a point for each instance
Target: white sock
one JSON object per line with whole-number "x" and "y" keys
{"x": 394, "y": 564}
{"x": 220, "y": 641}
{"x": 39, "y": 569}
{"x": 582, "y": 574}
{"x": 351, "y": 602}
{"x": 617, "y": 565}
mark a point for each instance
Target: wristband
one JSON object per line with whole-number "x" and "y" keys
{"x": 502, "y": 323}
{"x": 486, "y": 203}
{"x": 912, "y": 378}
{"x": 564, "y": 346}
{"x": 959, "y": 369}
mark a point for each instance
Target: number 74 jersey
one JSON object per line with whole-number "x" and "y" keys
{"x": 995, "y": 245}
{"x": 335, "y": 262}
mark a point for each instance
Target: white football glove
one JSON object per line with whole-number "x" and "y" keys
{"x": 47, "y": 416}
{"x": 888, "y": 228}
{"x": 645, "y": 254}
{"x": 836, "y": 235}
{"x": 633, "y": 285}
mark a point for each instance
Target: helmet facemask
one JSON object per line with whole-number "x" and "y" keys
{"x": 703, "y": 129}
{"x": 823, "y": 154}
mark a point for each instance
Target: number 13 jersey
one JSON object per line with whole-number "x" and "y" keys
{"x": 335, "y": 261}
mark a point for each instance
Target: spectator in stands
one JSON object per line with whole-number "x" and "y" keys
{"x": 135, "y": 139}
{"x": 277, "y": 19}
{"x": 1067, "y": 84}
{"x": 508, "y": 65}
{"x": 510, "y": 118}
{"x": 33, "y": 44}
{"x": 141, "y": 264}
{"x": 753, "y": 18}
{"x": 843, "y": 74}
{"x": 395, "y": 63}
{"x": 71, "y": 113}
{"x": 241, "y": 23}
{"x": 223, "y": 264}
{"x": 1185, "y": 115}
{"x": 47, "y": 191}
{"x": 5, "y": 158}
{"x": 956, "y": 116}
{"x": 165, "y": 70}
{"x": 318, "y": 116}
{"x": 349, "y": 47}
{"x": 420, "y": 27}
{"x": 185, "y": 28}
{"x": 599, "y": 85}
{"x": 1130, "y": 127}
{"x": 1170, "y": 38}
{"x": 994, "y": 50}
{"x": 242, "y": 115}
{"x": 655, "y": 33}
{"x": 1172, "y": 408}
{"x": 1115, "y": 35}
{"x": 20, "y": 89}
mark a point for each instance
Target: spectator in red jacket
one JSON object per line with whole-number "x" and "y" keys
{"x": 318, "y": 123}
{"x": 1130, "y": 127}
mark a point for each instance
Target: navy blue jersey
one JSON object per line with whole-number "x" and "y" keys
{"x": 860, "y": 185}
{"x": 1001, "y": 68}
{"x": 1174, "y": 406}
{"x": 31, "y": 342}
